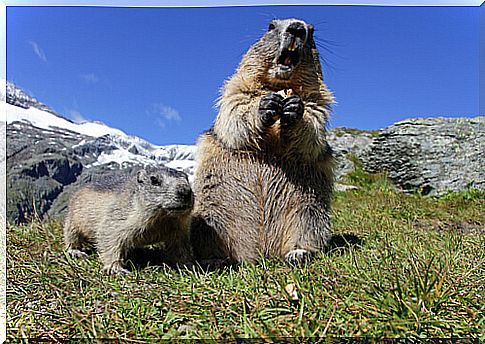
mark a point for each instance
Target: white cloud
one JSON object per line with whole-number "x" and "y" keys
{"x": 89, "y": 78}
{"x": 160, "y": 122}
{"x": 76, "y": 116}
{"x": 164, "y": 113}
{"x": 38, "y": 51}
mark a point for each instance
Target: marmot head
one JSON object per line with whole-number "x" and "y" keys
{"x": 286, "y": 46}
{"x": 164, "y": 191}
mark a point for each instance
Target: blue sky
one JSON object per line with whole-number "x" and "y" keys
{"x": 156, "y": 72}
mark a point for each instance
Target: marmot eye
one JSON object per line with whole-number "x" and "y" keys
{"x": 155, "y": 180}
{"x": 271, "y": 26}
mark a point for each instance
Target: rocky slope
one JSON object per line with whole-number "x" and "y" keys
{"x": 49, "y": 156}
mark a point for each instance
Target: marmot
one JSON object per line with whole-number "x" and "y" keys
{"x": 118, "y": 214}
{"x": 264, "y": 173}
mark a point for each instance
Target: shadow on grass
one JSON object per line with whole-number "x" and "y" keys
{"x": 141, "y": 258}
{"x": 340, "y": 243}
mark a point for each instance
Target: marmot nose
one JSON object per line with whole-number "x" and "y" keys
{"x": 185, "y": 193}
{"x": 297, "y": 29}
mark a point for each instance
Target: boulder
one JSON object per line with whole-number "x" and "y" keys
{"x": 431, "y": 155}
{"x": 346, "y": 143}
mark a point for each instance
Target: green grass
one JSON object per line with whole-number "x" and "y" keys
{"x": 413, "y": 267}
{"x": 341, "y": 131}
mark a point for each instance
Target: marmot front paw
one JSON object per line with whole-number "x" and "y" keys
{"x": 292, "y": 111}
{"x": 270, "y": 108}
{"x": 116, "y": 269}
{"x": 298, "y": 257}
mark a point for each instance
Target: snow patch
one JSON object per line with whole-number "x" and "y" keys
{"x": 46, "y": 120}
{"x": 121, "y": 156}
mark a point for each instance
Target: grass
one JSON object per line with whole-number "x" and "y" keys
{"x": 341, "y": 131}
{"x": 400, "y": 266}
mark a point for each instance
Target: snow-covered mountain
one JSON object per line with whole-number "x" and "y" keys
{"x": 18, "y": 97}
{"x": 127, "y": 149}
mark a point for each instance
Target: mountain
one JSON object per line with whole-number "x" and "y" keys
{"x": 23, "y": 110}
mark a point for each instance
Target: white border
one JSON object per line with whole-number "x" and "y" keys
{"x": 3, "y": 171}
{"x": 158, "y": 3}
{"x": 230, "y": 3}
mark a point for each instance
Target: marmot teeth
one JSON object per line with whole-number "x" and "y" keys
{"x": 286, "y": 92}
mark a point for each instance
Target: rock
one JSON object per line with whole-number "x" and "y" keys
{"x": 344, "y": 187}
{"x": 431, "y": 155}
{"x": 345, "y": 143}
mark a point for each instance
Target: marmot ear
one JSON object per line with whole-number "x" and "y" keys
{"x": 141, "y": 176}
{"x": 311, "y": 29}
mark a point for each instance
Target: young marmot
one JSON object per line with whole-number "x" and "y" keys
{"x": 123, "y": 213}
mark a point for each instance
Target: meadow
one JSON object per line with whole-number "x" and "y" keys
{"x": 399, "y": 266}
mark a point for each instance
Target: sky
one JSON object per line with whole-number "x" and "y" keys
{"x": 156, "y": 72}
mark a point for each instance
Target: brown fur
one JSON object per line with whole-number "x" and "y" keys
{"x": 118, "y": 215}
{"x": 265, "y": 191}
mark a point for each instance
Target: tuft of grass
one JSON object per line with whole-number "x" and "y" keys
{"x": 364, "y": 180}
{"x": 470, "y": 194}
{"x": 340, "y": 131}
{"x": 398, "y": 266}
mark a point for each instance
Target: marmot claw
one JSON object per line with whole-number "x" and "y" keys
{"x": 297, "y": 257}
{"x": 292, "y": 111}
{"x": 270, "y": 108}
{"x": 116, "y": 269}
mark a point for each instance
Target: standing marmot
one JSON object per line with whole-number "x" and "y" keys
{"x": 119, "y": 214}
{"x": 265, "y": 171}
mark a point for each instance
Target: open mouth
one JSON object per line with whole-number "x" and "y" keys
{"x": 288, "y": 58}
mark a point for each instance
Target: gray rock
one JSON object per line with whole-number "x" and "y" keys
{"x": 347, "y": 142}
{"x": 431, "y": 155}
